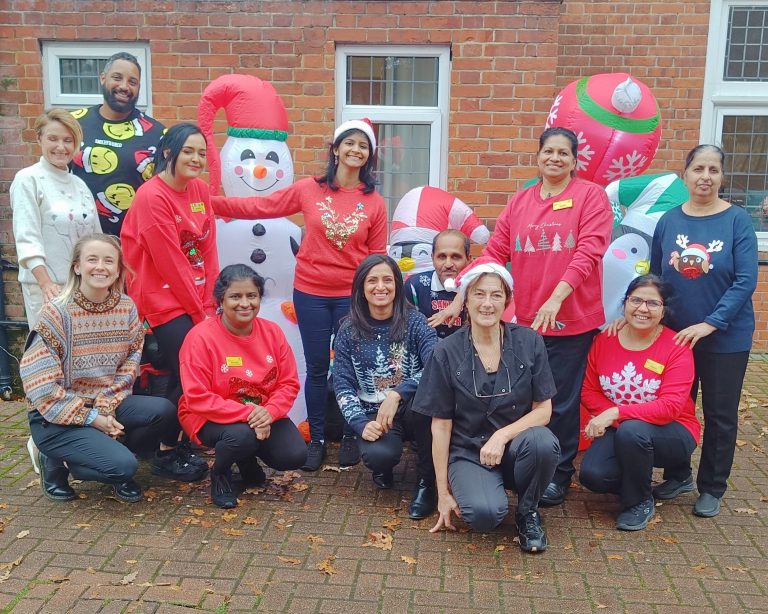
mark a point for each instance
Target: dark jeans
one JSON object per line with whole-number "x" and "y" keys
{"x": 527, "y": 468}
{"x": 568, "y": 361}
{"x": 169, "y": 338}
{"x": 93, "y": 455}
{"x": 284, "y": 448}
{"x": 318, "y": 318}
{"x": 382, "y": 455}
{"x": 720, "y": 377}
{"x": 622, "y": 461}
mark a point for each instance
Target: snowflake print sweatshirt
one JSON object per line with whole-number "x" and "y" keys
{"x": 342, "y": 227}
{"x": 364, "y": 370}
{"x": 653, "y": 385}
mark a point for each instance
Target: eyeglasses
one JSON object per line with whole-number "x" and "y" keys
{"x": 652, "y": 304}
{"x": 504, "y": 391}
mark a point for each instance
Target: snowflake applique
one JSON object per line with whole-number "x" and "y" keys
{"x": 629, "y": 386}
{"x": 425, "y": 280}
{"x": 224, "y": 368}
{"x": 249, "y": 373}
{"x": 585, "y": 153}
{"x": 553, "y": 112}
{"x": 178, "y": 218}
{"x": 634, "y": 164}
{"x": 269, "y": 359}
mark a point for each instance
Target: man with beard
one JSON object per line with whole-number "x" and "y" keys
{"x": 119, "y": 142}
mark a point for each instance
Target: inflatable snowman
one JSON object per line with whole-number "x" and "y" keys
{"x": 255, "y": 161}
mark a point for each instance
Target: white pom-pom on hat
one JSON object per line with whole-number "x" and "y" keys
{"x": 473, "y": 272}
{"x": 363, "y": 125}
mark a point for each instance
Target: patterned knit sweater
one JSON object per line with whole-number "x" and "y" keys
{"x": 82, "y": 358}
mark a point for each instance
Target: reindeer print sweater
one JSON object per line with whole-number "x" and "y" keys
{"x": 711, "y": 262}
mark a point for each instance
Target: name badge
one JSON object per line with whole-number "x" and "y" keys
{"x": 654, "y": 366}
{"x": 234, "y": 361}
{"x": 197, "y": 207}
{"x": 562, "y": 204}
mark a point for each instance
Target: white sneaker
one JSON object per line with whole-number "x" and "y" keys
{"x": 32, "y": 449}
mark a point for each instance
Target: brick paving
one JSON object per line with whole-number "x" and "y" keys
{"x": 299, "y": 546}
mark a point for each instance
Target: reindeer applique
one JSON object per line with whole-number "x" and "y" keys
{"x": 694, "y": 260}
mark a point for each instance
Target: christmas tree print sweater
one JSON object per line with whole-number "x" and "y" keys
{"x": 366, "y": 369}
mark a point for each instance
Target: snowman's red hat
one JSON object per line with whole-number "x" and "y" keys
{"x": 253, "y": 108}
{"x": 363, "y": 125}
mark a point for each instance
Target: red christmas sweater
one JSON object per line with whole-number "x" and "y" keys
{"x": 342, "y": 227}
{"x": 548, "y": 240}
{"x": 169, "y": 242}
{"x": 653, "y": 384}
{"x": 223, "y": 374}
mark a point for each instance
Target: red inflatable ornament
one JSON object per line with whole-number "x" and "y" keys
{"x": 616, "y": 119}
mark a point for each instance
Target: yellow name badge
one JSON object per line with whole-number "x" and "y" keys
{"x": 197, "y": 207}
{"x": 562, "y": 204}
{"x": 234, "y": 361}
{"x": 654, "y": 366}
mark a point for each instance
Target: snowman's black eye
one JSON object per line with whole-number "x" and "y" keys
{"x": 247, "y": 155}
{"x": 273, "y": 157}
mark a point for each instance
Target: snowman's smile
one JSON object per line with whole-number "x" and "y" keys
{"x": 255, "y": 189}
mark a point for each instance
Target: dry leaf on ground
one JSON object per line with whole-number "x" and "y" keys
{"x": 326, "y": 566}
{"x": 741, "y": 442}
{"x": 408, "y": 559}
{"x": 129, "y": 578}
{"x": 670, "y": 540}
{"x": 615, "y": 557}
{"x": 377, "y": 539}
{"x": 250, "y": 520}
{"x": 291, "y": 560}
{"x": 392, "y": 524}
{"x": 228, "y": 516}
{"x": 333, "y": 468}
{"x": 232, "y": 532}
{"x": 21, "y": 534}
{"x": 197, "y": 512}
{"x": 315, "y": 539}
{"x": 745, "y": 510}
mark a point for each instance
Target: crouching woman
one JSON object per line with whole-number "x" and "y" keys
{"x": 488, "y": 389}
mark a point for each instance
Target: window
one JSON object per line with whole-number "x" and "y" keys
{"x": 71, "y": 72}
{"x": 735, "y": 109}
{"x": 404, "y": 91}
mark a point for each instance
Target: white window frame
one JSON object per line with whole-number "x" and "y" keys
{"x": 53, "y": 51}
{"x": 436, "y": 117}
{"x": 728, "y": 97}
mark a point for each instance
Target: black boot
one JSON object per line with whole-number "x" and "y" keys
{"x": 221, "y": 490}
{"x": 54, "y": 479}
{"x": 424, "y": 500}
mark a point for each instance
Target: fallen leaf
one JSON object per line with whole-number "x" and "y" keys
{"x": 206, "y": 524}
{"x": 326, "y": 566}
{"x": 82, "y": 525}
{"x": 197, "y": 512}
{"x": 128, "y": 579}
{"x": 150, "y": 494}
{"x": 250, "y": 520}
{"x": 598, "y": 534}
{"x": 131, "y": 561}
{"x": 615, "y": 557}
{"x": 315, "y": 539}
{"x": 655, "y": 520}
{"x": 379, "y": 540}
{"x": 701, "y": 567}
{"x": 12, "y": 564}
{"x": 392, "y": 524}
{"x": 283, "y": 523}
{"x": 232, "y": 532}
{"x": 35, "y": 482}
{"x": 228, "y": 516}
{"x": 568, "y": 547}
{"x": 741, "y": 442}
{"x": 499, "y": 549}
{"x": 21, "y": 534}
{"x": 471, "y": 547}
{"x": 600, "y": 606}
{"x": 333, "y": 468}
{"x": 764, "y": 499}
{"x": 292, "y": 561}
{"x": 90, "y": 569}
{"x": 408, "y": 559}
{"x": 3, "y": 506}
{"x": 739, "y": 569}
{"x": 58, "y": 579}
{"x": 670, "y": 540}
{"x": 745, "y": 510}
{"x": 518, "y": 577}
{"x": 300, "y": 487}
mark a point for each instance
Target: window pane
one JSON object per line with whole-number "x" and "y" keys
{"x": 80, "y": 75}
{"x": 392, "y": 80}
{"x": 403, "y": 160}
{"x": 746, "y": 49}
{"x": 745, "y": 140}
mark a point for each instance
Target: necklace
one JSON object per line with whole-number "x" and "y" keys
{"x": 490, "y": 363}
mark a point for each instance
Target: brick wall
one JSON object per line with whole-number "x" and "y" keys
{"x": 509, "y": 59}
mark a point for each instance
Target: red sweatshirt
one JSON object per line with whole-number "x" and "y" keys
{"x": 342, "y": 227}
{"x": 562, "y": 238}
{"x": 169, "y": 242}
{"x": 653, "y": 385}
{"x": 222, "y": 374}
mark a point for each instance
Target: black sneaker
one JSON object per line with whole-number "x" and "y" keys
{"x": 315, "y": 456}
{"x": 129, "y": 491}
{"x": 251, "y": 473}
{"x": 221, "y": 490}
{"x": 673, "y": 488}
{"x": 174, "y": 466}
{"x": 636, "y": 517}
{"x": 349, "y": 452}
{"x": 184, "y": 450}
{"x": 531, "y": 533}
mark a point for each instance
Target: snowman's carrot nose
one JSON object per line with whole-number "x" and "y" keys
{"x": 259, "y": 171}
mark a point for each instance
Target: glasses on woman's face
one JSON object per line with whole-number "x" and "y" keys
{"x": 652, "y": 304}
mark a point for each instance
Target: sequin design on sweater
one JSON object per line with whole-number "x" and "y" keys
{"x": 629, "y": 386}
{"x": 254, "y": 393}
{"x": 190, "y": 246}
{"x": 338, "y": 231}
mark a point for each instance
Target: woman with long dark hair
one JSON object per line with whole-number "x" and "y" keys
{"x": 381, "y": 350}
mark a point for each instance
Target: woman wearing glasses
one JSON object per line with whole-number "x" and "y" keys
{"x": 381, "y": 350}
{"x": 637, "y": 389}
{"x": 488, "y": 389}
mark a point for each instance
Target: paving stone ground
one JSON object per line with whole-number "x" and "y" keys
{"x": 301, "y": 546}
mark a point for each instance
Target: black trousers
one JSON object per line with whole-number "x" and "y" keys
{"x": 382, "y": 455}
{"x": 568, "y": 360}
{"x": 622, "y": 461}
{"x": 169, "y": 337}
{"x": 527, "y": 468}
{"x": 284, "y": 448}
{"x": 720, "y": 377}
{"x": 93, "y": 455}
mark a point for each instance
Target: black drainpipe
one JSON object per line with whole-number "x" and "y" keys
{"x": 6, "y": 388}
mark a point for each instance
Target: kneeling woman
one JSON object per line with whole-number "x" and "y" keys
{"x": 488, "y": 389}
{"x": 638, "y": 390}
{"x": 381, "y": 350}
{"x": 78, "y": 370}
{"x": 239, "y": 380}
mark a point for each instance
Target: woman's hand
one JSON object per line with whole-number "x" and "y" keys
{"x": 372, "y": 431}
{"x": 447, "y": 315}
{"x": 597, "y": 425}
{"x": 259, "y": 417}
{"x": 109, "y": 426}
{"x": 446, "y": 505}
{"x": 493, "y": 450}
{"x": 614, "y": 327}
{"x": 546, "y": 316}
{"x": 689, "y": 336}
{"x": 50, "y": 291}
{"x": 388, "y": 410}
{"x": 263, "y": 432}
